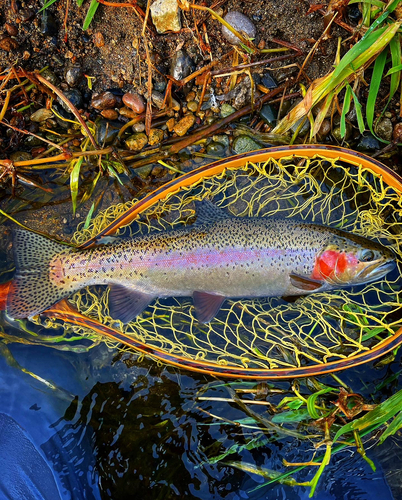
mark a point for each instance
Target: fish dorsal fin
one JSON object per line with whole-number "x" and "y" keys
{"x": 207, "y": 212}
{"x": 304, "y": 282}
{"x": 206, "y": 305}
{"x": 126, "y": 304}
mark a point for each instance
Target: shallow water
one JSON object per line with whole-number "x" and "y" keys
{"x": 114, "y": 428}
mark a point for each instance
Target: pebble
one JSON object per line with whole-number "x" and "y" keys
{"x": 20, "y": 156}
{"x": 110, "y": 114}
{"x": 134, "y": 101}
{"x": 32, "y": 141}
{"x": 73, "y": 75}
{"x": 155, "y": 136}
{"x": 216, "y": 148}
{"x": 170, "y": 124}
{"x": 99, "y": 41}
{"x": 157, "y": 99}
{"x": 304, "y": 129}
{"x": 268, "y": 114}
{"x": 41, "y": 115}
{"x": 8, "y": 44}
{"x": 336, "y": 132}
{"x": 104, "y": 100}
{"x": 397, "y": 134}
{"x": 74, "y": 96}
{"x": 138, "y": 127}
{"x": 136, "y": 141}
{"x": 384, "y": 129}
{"x": 268, "y": 81}
{"x": 368, "y": 143}
{"x": 182, "y": 65}
{"x": 50, "y": 76}
{"x": 226, "y": 110}
{"x": 144, "y": 171}
{"x": 106, "y": 131}
{"x": 184, "y": 124}
{"x": 325, "y": 129}
{"x": 222, "y": 138}
{"x": 11, "y": 29}
{"x": 240, "y": 23}
{"x": 244, "y": 143}
{"x": 166, "y": 15}
{"x": 192, "y": 106}
{"x": 64, "y": 114}
{"x": 129, "y": 113}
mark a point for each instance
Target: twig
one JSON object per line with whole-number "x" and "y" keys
{"x": 71, "y": 106}
{"x": 34, "y": 135}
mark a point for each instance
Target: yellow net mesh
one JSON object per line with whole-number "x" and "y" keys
{"x": 272, "y": 333}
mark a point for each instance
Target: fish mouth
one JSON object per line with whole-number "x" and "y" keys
{"x": 375, "y": 271}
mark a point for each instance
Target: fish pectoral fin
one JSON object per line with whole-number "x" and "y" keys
{"x": 126, "y": 304}
{"x": 207, "y": 305}
{"x": 304, "y": 282}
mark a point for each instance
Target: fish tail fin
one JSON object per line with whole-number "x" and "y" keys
{"x": 32, "y": 290}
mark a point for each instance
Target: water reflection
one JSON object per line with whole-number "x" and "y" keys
{"x": 117, "y": 429}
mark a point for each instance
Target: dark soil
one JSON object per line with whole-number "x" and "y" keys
{"x": 121, "y": 61}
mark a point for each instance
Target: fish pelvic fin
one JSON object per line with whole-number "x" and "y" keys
{"x": 207, "y": 305}
{"x": 125, "y": 304}
{"x": 32, "y": 290}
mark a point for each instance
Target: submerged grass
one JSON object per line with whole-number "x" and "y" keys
{"x": 323, "y": 413}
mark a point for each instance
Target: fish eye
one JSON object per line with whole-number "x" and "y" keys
{"x": 367, "y": 256}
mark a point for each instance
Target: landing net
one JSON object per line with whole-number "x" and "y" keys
{"x": 270, "y": 333}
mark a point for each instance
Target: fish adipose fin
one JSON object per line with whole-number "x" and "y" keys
{"x": 207, "y": 305}
{"x": 31, "y": 290}
{"x": 207, "y": 212}
{"x": 125, "y": 304}
{"x": 305, "y": 283}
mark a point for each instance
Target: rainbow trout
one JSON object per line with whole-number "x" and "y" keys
{"x": 218, "y": 257}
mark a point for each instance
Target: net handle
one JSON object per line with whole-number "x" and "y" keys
{"x": 238, "y": 161}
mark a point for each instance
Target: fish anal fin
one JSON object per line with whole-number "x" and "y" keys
{"x": 125, "y": 304}
{"x": 304, "y": 282}
{"x": 207, "y": 305}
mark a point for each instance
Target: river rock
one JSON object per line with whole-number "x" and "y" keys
{"x": 184, "y": 124}
{"x": 104, "y": 100}
{"x": 240, "y": 23}
{"x": 73, "y": 75}
{"x": 138, "y": 127}
{"x": 41, "y": 115}
{"x": 74, "y": 96}
{"x": 155, "y": 136}
{"x": 20, "y": 156}
{"x": 110, "y": 114}
{"x": 106, "y": 131}
{"x": 227, "y": 110}
{"x": 268, "y": 81}
{"x": 268, "y": 114}
{"x": 134, "y": 101}
{"x": 384, "y": 129}
{"x": 166, "y": 15}
{"x": 368, "y": 143}
{"x": 244, "y": 143}
{"x": 182, "y": 65}
{"x": 216, "y": 148}
{"x": 136, "y": 141}
{"x": 8, "y": 44}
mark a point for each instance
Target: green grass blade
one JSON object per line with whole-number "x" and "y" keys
{"x": 359, "y": 114}
{"x": 80, "y": 2}
{"x": 89, "y": 216}
{"x": 74, "y": 178}
{"x": 311, "y": 402}
{"x": 90, "y": 14}
{"x": 391, "y": 7}
{"x": 46, "y": 5}
{"x": 324, "y": 463}
{"x": 376, "y": 3}
{"x": 393, "y": 427}
{"x": 394, "y": 70}
{"x": 345, "y": 109}
{"x": 374, "y": 88}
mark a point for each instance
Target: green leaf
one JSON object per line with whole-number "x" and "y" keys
{"x": 80, "y": 2}
{"x": 394, "y": 69}
{"x": 393, "y": 427}
{"x": 46, "y": 5}
{"x": 74, "y": 177}
{"x": 376, "y": 417}
{"x": 359, "y": 114}
{"x": 90, "y": 14}
{"x": 263, "y": 472}
{"x": 345, "y": 109}
{"x": 313, "y": 398}
{"x": 89, "y": 216}
{"x": 374, "y": 88}
{"x": 324, "y": 463}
